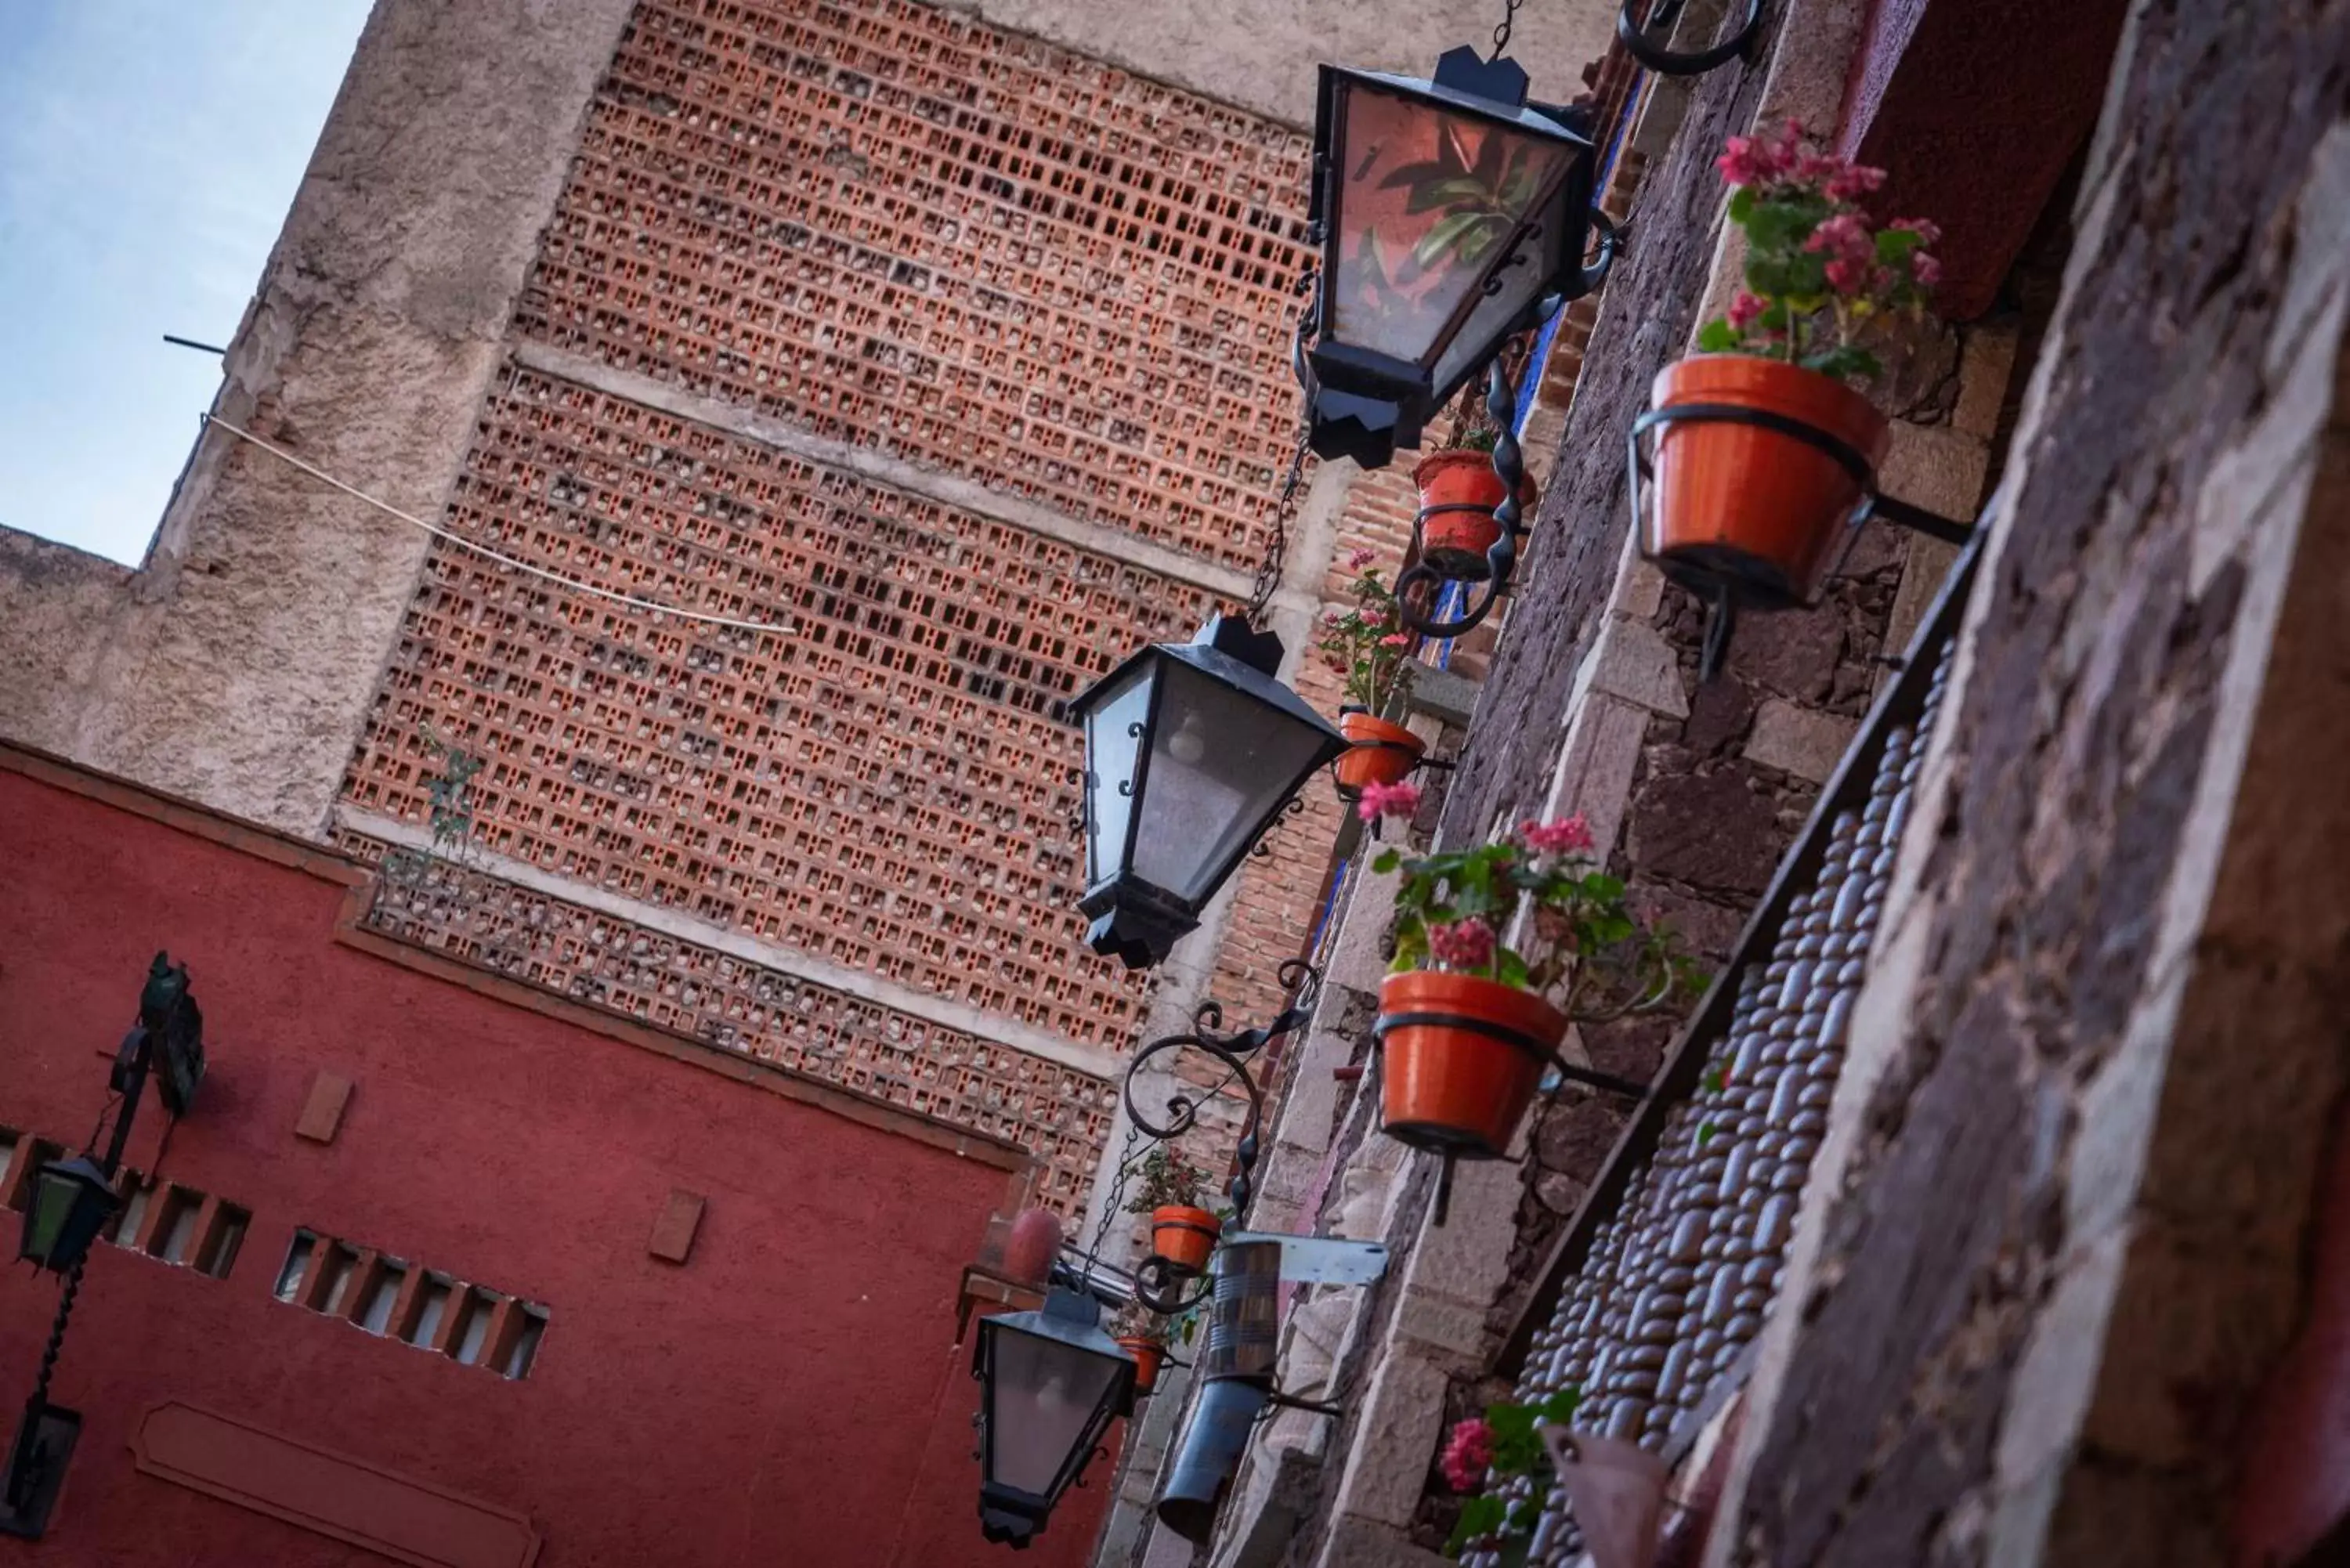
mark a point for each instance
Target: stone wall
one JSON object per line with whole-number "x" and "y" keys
{"x": 2060, "y": 1233}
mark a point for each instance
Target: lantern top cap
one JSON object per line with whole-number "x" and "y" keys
{"x": 81, "y": 1168}
{"x": 1228, "y": 649}
{"x": 1490, "y": 89}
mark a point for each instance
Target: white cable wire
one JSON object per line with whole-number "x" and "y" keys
{"x": 574, "y": 584}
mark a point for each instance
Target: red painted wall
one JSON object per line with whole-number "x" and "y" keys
{"x": 788, "y": 1396}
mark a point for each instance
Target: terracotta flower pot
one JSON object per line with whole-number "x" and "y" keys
{"x": 1757, "y": 506}
{"x": 1184, "y": 1236}
{"x": 1147, "y": 1353}
{"x": 1461, "y": 1087}
{"x": 1458, "y": 493}
{"x": 1383, "y": 753}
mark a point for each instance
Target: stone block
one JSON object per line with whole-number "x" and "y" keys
{"x": 1596, "y": 766}
{"x": 1799, "y": 741}
{"x": 1632, "y": 662}
{"x": 673, "y": 1232}
{"x": 1935, "y": 467}
{"x": 1401, "y": 1417}
{"x": 1361, "y": 1543}
{"x": 322, "y": 1113}
{"x": 1793, "y": 653}
{"x": 1717, "y": 830}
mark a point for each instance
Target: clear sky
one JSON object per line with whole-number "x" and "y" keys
{"x": 148, "y": 149}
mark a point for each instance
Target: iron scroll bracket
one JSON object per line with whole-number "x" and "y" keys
{"x": 1662, "y": 13}
{"x": 1724, "y": 597}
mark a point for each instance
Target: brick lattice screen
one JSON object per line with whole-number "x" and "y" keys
{"x": 962, "y": 250}
{"x": 908, "y": 231}
{"x": 886, "y": 788}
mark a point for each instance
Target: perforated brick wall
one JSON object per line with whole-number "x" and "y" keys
{"x": 887, "y": 788}
{"x": 910, "y": 231}
{"x": 1061, "y": 1114}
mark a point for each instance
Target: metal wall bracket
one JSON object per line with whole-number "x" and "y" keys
{"x": 1321, "y": 1260}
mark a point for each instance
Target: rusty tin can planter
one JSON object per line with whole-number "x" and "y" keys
{"x": 1148, "y": 1355}
{"x": 1736, "y": 503}
{"x": 1183, "y": 1237}
{"x": 1460, "y": 1058}
{"x": 1382, "y": 753}
{"x": 1458, "y": 493}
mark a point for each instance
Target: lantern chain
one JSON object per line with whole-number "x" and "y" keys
{"x": 1501, "y": 33}
{"x": 1284, "y": 508}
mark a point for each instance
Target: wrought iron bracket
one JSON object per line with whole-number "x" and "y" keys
{"x": 1502, "y": 555}
{"x": 1639, "y": 38}
{"x": 1724, "y": 594}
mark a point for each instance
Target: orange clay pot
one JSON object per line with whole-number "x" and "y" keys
{"x": 1184, "y": 1236}
{"x": 1460, "y": 1088}
{"x": 1755, "y": 506}
{"x": 1458, "y": 493}
{"x": 1147, "y": 1353}
{"x": 1383, "y": 753}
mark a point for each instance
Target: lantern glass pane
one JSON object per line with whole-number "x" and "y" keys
{"x": 1430, "y": 196}
{"x": 1221, "y": 761}
{"x": 1518, "y": 285}
{"x": 1044, "y": 1394}
{"x": 1113, "y": 743}
{"x": 52, "y": 1205}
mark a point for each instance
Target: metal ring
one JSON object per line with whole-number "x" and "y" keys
{"x": 1689, "y": 63}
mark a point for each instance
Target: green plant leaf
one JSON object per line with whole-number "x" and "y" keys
{"x": 1386, "y": 861}
{"x": 1705, "y": 1131}
{"x": 1453, "y": 190}
{"x": 1741, "y": 204}
{"x": 1895, "y": 246}
{"x": 1509, "y": 968}
{"x": 1460, "y": 237}
{"x": 1558, "y": 1409}
{"x": 1512, "y": 1552}
{"x": 1480, "y": 1517}
{"x": 1719, "y": 337}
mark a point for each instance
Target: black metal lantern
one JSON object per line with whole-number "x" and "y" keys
{"x": 1452, "y": 215}
{"x": 1050, "y": 1384}
{"x": 71, "y": 1203}
{"x": 1192, "y": 751}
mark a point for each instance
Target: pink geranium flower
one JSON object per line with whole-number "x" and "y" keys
{"x": 1463, "y": 944}
{"x": 1360, "y": 559}
{"x": 1851, "y": 180}
{"x": 1468, "y": 1454}
{"x": 1396, "y": 640}
{"x": 1746, "y": 309}
{"x": 1928, "y": 233}
{"x": 1387, "y": 800}
{"x": 1925, "y": 270}
{"x": 1568, "y": 835}
{"x": 1846, "y": 235}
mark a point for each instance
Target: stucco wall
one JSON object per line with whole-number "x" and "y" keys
{"x": 788, "y": 1394}
{"x": 1260, "y": 54}
{"x": 236, "y": 666}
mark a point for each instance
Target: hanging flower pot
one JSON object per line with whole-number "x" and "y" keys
{"x": 1766, "y": 458}
{"x": 1184, "y": 1236}
{"x": 1465, "y": 1028}
{"x": 1382, "y": 753}
{"x": 1460, "y": 1077}
{"x": 1459, "y": 491}
{"x": 1761, "y": 507}
{"x": 1147, "y": 1353}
